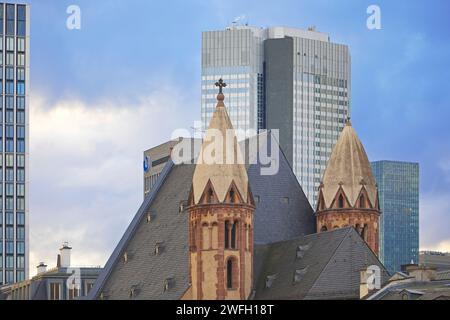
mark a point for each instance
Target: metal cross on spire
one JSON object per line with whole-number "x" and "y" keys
{"x": 221, "y": 85}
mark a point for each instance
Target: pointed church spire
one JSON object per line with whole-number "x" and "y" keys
{"x": 220, "y": 160}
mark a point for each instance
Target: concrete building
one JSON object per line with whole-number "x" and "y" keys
{"x": 398, "y": 186}
{"x": 63, "y": 282}
{"x": 14, "y": 131}
{"x": 433, "y": 259}
{"x": 293, "y": 80}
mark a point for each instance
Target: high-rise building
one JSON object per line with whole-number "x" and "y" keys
{"x": 293, "y": 80}
{"x": 14, "y": 89}
{"x": 398, "y": 187}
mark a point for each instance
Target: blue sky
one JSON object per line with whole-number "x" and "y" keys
{"x": 131, "y": 75}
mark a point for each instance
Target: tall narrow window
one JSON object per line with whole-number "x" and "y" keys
{"x": 227, "y": 235}
{"x": 341, "y": 201}
{"x": 362, "y": 202}
{"x": 214, "y": 236}
{"x": 233, "y": 236}
{"x": 230, "y": 274}
{"x": 206, "y": 244}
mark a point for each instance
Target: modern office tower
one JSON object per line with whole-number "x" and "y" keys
{"x": 398, "y": 188}
{"x": 293, "y": 80}
{"x": 14, "y": 89}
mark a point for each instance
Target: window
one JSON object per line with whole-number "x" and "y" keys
{"x": 21, "y": 103}
{"x": 10, "y": 58}
{"x": 21, "y": 132}
{"x": 20, "y": 117}
{"x": 21, "y": 20}
{"x": 232, "y": 273}
{"x": 20, "y": 233}
{"x": 21, "y": 59}
{"x": 1, "y": 40}
{"x": 74, "y": 292}
{"x": 9, "y": 71}
{"x": 20, "y": 74}
{"x": 9, "y": 102}
{"x": 10, "y": 43}
{"x": 10, "y": 13}
{"x": 9, "y": 188}
{"x": 20, "y": 203}
{"x": 323, "y": 229}
{"x": 21, "y": 160}
{"x": 20, "y": 190}
{"x": 21, "y": 88}
{"x": 9, "y": 233}
{"x": 9, "y": 218}
{"x": 20, "y": 174}
{"x": 55, "y": 291}
{"x": 20, "y": 276}
{"x": 341, "y": 201}
{"x": 9, "y": 247}
{"x": 20, "y": 145}
{"x": 20, "y": 247}
{"x": 233, "y": 236}
{"x": 227, "y": 234}
{"x": 9, "y": 146}
{"x": 9, "y": 116}
{"x": 9, "y": 205}
{"x": 20, "y": 262}
{"x": 9, "y": 262}
{"x": 20, "y": 218}
{"x": 362, "y": 202}
{"x": 89, "y": 287}
{"x": 21, "y": 44}
{"x": 9, "y": 276}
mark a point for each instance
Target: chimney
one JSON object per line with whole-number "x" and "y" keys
{"x": 41, "y": 268}
{"x": 65, "y": 255}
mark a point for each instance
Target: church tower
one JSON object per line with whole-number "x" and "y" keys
{"x": 348, "y": 194}
{"x": 221, "y": 211}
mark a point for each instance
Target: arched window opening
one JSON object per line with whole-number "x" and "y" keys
{"x": 227, "y": 235}
{"x": 232, "y": 194}
{"x": 234, "y": 236}
{"x": 341, "y": 201}
{"x": 362, "y": 202}
{"x": 232, "y": 274}
{"x": 210, "y": 196}
{"x": 323, "y": 229}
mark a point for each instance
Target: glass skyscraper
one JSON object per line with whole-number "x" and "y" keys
{"x": 398, "y": 188}
{"x": 293, "y": 80}
{"x": 14, "y": 74}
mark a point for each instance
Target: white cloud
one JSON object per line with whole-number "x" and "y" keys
{"x": 86, "y": 172}
{"x": 434, "y": 222}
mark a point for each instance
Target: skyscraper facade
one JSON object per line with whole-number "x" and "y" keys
{"x": 14, "y": 89}
{"x": 293, "y": 80}
{"x": 398, "y": 187}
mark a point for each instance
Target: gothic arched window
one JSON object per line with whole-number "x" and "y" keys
{"x": 233, "y": 235}
{"x": 232, "y": 273}
{"x": 341, "y": 201}
{"x": 323, "y": 229}
{"x": 362, "y": 202}
{"x": 227, "y": 234}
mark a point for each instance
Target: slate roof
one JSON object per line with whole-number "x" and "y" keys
{"x": 144, "y": 274}
{"x": 329, "y": 266}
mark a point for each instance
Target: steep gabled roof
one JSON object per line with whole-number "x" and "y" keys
{"x": 275, "y": 220}
{"x": 327, "y": 268}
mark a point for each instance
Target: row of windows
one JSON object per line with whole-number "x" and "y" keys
{"x": 9, "y": 276}
{"x": 9, "y": 160}
{"x": 9, "y": 218}
{"x": 9, "y": 131}
{"x": 10, "y": 59}
{"x": 9, "y": 117}
{"x": 9, "y": 145}
{"x": 9, "y": 175}
{"x": 11, "y": 22}
{"x": 9, "y": 103}
{"x": 9, "y": 87}
{"x": 9, "y": 233}
{"x": 9, "y": 249}
{"x": 9, "y": 189}
{"x": 10, "y": 44}
{"x": 9, "y": 73}
{"x": 9, "y": 203}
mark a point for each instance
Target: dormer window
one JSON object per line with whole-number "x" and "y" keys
{"x": 341, "y": 201}
{"x": 232, "y": 195}
{"x": 168, "y": 284}
{"x": 125, "y": 257}
{"x": 149, "y": 217}
{"x": 362, "y": 202}
{"x": 158, "y": 248}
